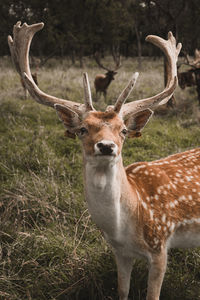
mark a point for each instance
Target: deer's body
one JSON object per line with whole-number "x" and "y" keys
{"x": 169, "y": 199}
{"x": 102, "y": 81}
{"x": 166, "y": 214}
{"x": 186, "y": 79}
{"x": 143, "y": 209}
{"x": 150, "y": 191}
{"x": 192, "y": 76}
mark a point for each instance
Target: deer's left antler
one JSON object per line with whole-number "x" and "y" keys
{"x": 19, "y": 48}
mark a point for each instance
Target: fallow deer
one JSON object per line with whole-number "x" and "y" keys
{"x": 147, "y": 207}
{"x": 192, "y": 76}
{"x": 102, "y": 81}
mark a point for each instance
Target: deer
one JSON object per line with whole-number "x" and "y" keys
{"x": 145, "y": 208}
{"x": 192, "y": 76}
{"x": 102, "y": 81}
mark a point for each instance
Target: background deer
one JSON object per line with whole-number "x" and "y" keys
{"x": 147, "y": 207}
{"x": 192, "y": 76}
{"x": 102, "y": 81}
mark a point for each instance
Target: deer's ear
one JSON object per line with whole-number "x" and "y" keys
{"x": 136, "y": 122}
{"x": 70, "y": 119}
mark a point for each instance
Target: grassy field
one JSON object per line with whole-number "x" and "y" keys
{"x": 50, "y": 249}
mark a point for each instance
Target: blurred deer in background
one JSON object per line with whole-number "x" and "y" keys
{"x": 147, "y": 207}
{"x": 102, "y": 81}
{"x": 192, "y": 76}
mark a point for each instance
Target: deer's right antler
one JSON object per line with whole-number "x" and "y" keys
{"x": 171, "y": 52}
{"x": 98, "y": 61}
{"x": 195, "y": 63}
{"x": 19, "y": 48}
{"x": 116, "y": 58}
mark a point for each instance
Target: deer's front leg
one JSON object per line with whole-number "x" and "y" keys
{"x": 124, "y": 268}
{"x": 156, "y": 274}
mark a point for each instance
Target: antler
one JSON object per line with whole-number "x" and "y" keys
{"x": 117, "y": 58}
{"x": 97, "y": 58}
{"x": 125, "y": 93}
{"x": 19, "y": 48}
{"x": 87, "y": 91}
{"x": 171, "y": 51}
{"x": 196, "y": 61}
{"x": 195, "y": 64}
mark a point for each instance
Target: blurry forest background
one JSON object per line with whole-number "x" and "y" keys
{"x": 78, "y": 28}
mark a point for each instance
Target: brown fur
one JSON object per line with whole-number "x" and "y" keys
{"x": 186, "y": 79}
{"x": 159, "y": 183}
{"x": 102, "y": 82}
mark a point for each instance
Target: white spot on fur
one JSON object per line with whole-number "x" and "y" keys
{"x": 144, "y": 205}
{"x": 151, "y": 214}
{"x": 181, "y": 198}
{"x": 164, "y": 218}
{"x": 171, "y": 204}
{"x": 138, "y": 168}
{"x": 156, "y": 197}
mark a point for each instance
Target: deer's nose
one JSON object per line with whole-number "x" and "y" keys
{"x": 106, "y": 147}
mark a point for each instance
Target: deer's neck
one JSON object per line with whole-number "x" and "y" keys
{"x": 106, "y": 187}
{"x": 108, "y": 80}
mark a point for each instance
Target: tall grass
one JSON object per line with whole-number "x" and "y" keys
{"x": 50, "y": 248}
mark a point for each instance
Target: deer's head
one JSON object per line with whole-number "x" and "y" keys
{"x": 102, "y": 133}
{"x": 111, "y": 74}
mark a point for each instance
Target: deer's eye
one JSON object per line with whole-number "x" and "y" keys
{"x": 83, "y": 130}
{"x": 124, "y": 131}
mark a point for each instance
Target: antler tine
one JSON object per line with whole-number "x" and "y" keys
{"x": 125, "y": 93}
{"x": 87, "y": 93}
{"x": 118, "y": 63}
{"x": 196, "y": 61}
{"x": 117, "y": 59}
{"x": 186, "y": 56}
{"x": 195, "y": 64}
{"x": 196, "y": 56}
{"x": 19, "y": 48}
{"x": 171, "y": 51}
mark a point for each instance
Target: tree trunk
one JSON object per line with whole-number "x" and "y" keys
{"x": 81, "y": 57}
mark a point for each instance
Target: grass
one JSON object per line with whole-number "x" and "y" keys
{"x": 50, "y": 249}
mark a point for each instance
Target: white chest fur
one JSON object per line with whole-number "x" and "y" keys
{"x": 103, "y": 192}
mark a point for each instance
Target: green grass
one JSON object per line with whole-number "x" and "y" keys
{"x": 50, "y": 248}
